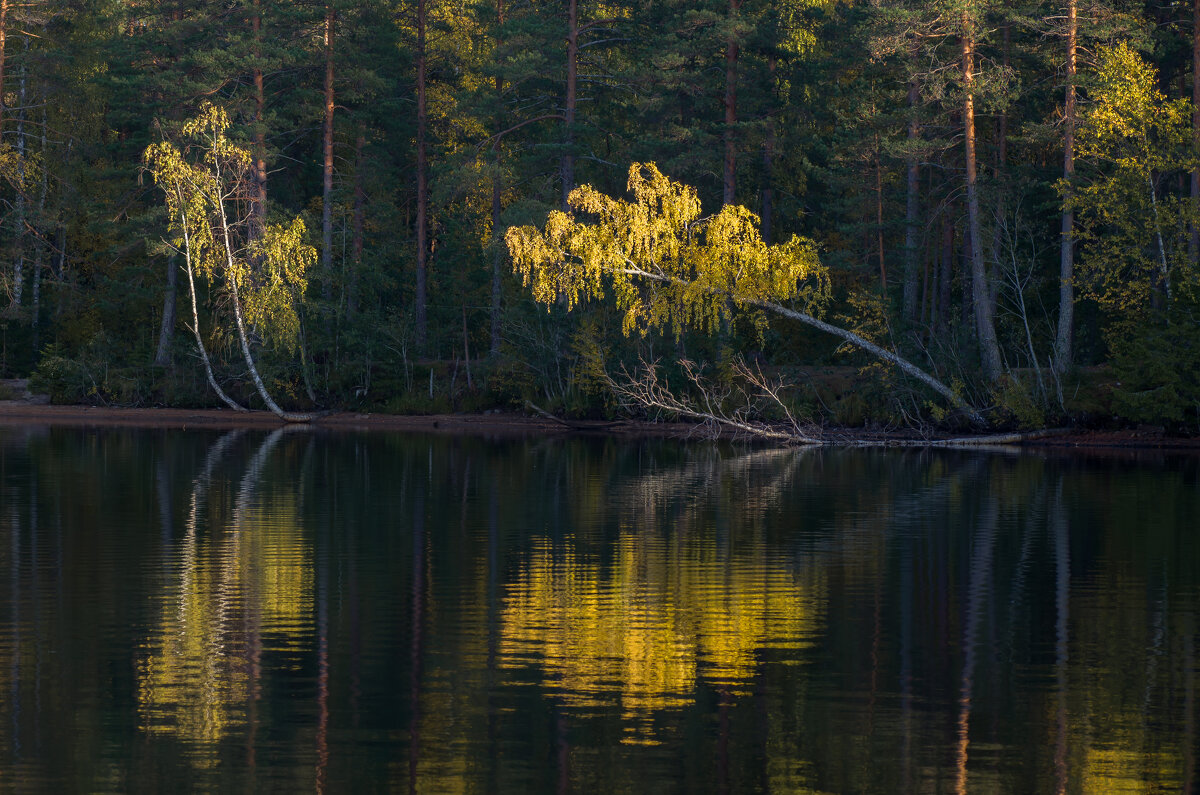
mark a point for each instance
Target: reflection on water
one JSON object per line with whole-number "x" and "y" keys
{"x": 298, "y": 611}
{"x": 644, "y": 630}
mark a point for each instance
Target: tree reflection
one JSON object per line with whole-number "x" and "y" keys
{"x": 244, "y": 580}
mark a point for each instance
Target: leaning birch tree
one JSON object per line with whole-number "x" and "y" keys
{"x": 668, "y": 267}
{"x": 208, "y": 186}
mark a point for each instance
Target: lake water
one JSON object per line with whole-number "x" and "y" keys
{"x": 307, "y": 610}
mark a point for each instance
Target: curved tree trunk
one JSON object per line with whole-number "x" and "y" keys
{"x": 240, "y": 321}
{"x": 212, "y": 381}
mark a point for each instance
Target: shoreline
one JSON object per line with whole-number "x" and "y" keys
{"x": 516, "y": 425}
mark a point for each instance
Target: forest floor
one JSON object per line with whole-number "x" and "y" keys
{"x": 29, "y": 411}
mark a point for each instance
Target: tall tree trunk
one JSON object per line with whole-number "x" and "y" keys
{"x": 568, "y": 157}
{"x": 422, "y": 187}
{"x": 39, "y": 243}
{"x": 1063, "y": 343}
{"x": 498, "y": 247}
{"x": 768, "y": 190}
{"x": 3, "y": 43}
{"x": 360, "y": 210}
{"x": 19, "y": 258}
{"x": 259, "y": 207}
{"x": 911, "y": 206}
{"x": 162, "y": 358}
{"x": 731, "y": 63}
{"x": 984, "y": 322}
{"x": 1194, "y": 242}
{"x": 879, "y": 220}
{"x": 327, "y": 152}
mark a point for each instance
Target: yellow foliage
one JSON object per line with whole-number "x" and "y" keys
{"x": 667, "y": 267}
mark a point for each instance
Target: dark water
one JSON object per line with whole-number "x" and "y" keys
{"x": 308, "y": 611}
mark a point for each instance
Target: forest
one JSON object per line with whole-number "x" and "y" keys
{"x": 910, "y": 213}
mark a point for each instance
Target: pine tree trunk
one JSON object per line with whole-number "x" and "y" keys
{"x": 729, "y": 181}
{"x": 422, "y": 187}
{"x": 568, "y": 158}
{"x": 360, "y": 210}
{"x": 768, "y": 190}
{"x": 1194, "y": 241}
{"x": 3, "y": 51}
{"x": 39, "y": 250}
{"x": 19, "y": 258}
{"x": 1063, "y": 342}
{"x": 327, "y": 152}
{"x": 984, "y": 322}
{"x": 911, "y": 207}
{"x": 498, "y": 249}
{"x": 259, "y": 208}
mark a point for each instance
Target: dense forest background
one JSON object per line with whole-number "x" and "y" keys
{"x": 1005, "y": 193}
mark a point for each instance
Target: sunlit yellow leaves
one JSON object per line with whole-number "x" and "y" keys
{"x": 666, "y": 266}
{"x": 284, "y": 260}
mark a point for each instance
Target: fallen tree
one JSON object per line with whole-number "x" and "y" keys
{"x": 669, "y": 268}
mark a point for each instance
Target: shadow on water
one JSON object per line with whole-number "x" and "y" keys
{"x": 306, "y": 610}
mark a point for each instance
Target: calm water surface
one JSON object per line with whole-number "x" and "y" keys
{"x": 314, "y": 611}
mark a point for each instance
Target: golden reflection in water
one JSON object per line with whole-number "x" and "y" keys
{"x": 657, "y": 622}
{"x": 202, "y": 663}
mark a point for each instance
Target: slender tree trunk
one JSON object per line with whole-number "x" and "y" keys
{"x": 39, "y": 250}
{"x": 360, "y": 210}
{"x": 260, "y": 133}
{"x": 731, "y": 65}
{"x": 162, "y": 358}
{"x": 568, "y": 158}
{"x": 984, "y": 321}
{"x": 327, "y": 152}
{"x": 498, "y": 252}
{"x": 3, "y": 42}
{"x": 1194, "y": 242}
{"x": 208, "y": 372}
{"x": 422, "y": 187}
{"x": 946, "y": 283}
{"x": 879, "y": 220}
{"x": 19, "y": 258}
{"x": 1063, "y": 343}
{"x": 239, "y": 319}
{"x": 911, "y": 206}
{"x": 768, "y": 190}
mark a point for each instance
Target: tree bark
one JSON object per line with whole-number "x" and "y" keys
{"x": 39, "y": 243}
{"x": 984, "y": 321}
{"x": 768, "y": 190}
{"x": 422, "y": 187}
{"x": 360, "y": 210}
{"x": 208, "y": 372}
{"x": 729, "y": 181}
{"x": 1194, "y": 241}
{"x": 568, "y": 157}
{"x": 259, "y": 208}
{"x": 911, "y": 206}
{"x": 498, "y": 253}
{"x": 327, "y": 153}
{"x": 3, "y": 42}
{"x": 19, "y": 258}
{"x": 1063, "y": 343}
{"x": 162, "y": 358}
